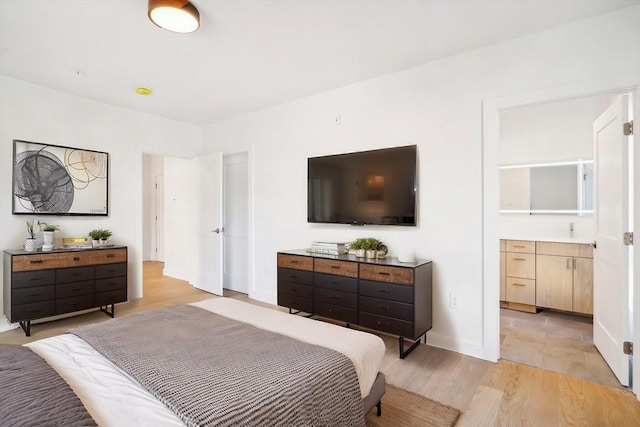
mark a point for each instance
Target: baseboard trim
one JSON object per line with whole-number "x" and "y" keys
{"x": 466, "y": 348}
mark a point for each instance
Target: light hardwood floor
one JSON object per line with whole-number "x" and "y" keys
{"x": 501, "y": 394}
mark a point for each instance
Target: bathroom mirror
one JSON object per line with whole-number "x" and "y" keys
{"x": 563, "y": 188}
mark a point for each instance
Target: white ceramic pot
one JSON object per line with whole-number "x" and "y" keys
{"x": 48, "y": 237}
{"x": 371, "y": 253}
{"x": 30, "y": 245}
{"x": 360, "y": 253}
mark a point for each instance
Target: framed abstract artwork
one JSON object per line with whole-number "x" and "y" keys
{"x": 56, "y": 180}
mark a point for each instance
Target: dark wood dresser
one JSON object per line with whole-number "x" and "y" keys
{"x": 44, "y": 284}
{"x": 384, "y": 295}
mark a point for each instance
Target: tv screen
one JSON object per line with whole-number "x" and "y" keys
{"x": 375, "y": 187}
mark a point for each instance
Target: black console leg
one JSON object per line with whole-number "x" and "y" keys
{"x": 26, "y": 327}
{"x": 111, "y": 313}
{"x": 379, "y": 406}
{"x": 404, "y": 353}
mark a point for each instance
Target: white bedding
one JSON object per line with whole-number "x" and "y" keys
{"x": 113, "y": 398}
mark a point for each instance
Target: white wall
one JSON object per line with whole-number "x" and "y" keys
{"x": 33, "y": 113}
{"x": 437, "y": 106}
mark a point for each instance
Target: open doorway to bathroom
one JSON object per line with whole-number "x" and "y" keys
{"x": 547, "y": 231}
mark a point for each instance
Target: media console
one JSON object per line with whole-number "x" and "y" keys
{"x": 379, "y": 294}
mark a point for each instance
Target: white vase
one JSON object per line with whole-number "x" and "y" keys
{"x": 370, "y": 253}
{"x": 360, "y": 253}
{"x": 30, "y": 245}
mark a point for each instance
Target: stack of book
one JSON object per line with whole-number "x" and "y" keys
{"x": 329, "y": 248}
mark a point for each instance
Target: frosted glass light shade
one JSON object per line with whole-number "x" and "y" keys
{"x": 178, "y": 16}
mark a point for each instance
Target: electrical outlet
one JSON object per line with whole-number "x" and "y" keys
{"x": 454, "y": 302}
{"x": 338, "y": 120}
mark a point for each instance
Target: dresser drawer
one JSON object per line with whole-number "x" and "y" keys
{"x": 381, "y": 273}
{"x": 338, "y": 283}
{"x": 107, "y": 256}
{"x": 33, "y": 294}
{"x": 337, "y": 312}
{"x": 33, "y": 310}
{"x": 386, "y": 324}
{"x": 330, "y": 296}
{"x": 27, "y": 279}
{"x": 297, "y": 262}
{"x": 74, "y": 289}
{"x": 295, "y": 289}
{"x": 333, "y": 266}
{"x": 111, "y": 297}
{"x": 396, "y": 310}
{"x": 295, "y": 302}
{"x": 386, "y": 291}
{"x": 522, "y": 291}
{"x": 68, "y": 259}
{"x": 75, "y": 303}
{"x": 111, "y": 270}
{"x": 78, "y": 274}
{"x": 295, "y": 276}
{"x": 520, "y": 265}
{"x": 522, "y": 246}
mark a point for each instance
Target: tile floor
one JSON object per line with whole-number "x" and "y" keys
{"x": 558, "y": 342}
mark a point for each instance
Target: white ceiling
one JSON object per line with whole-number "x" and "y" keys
{"x": 251, "y": 54}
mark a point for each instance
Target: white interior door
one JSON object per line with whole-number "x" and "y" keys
{"x": 611, "y": 257}
{"x": 159, "y": 241}
{"x": 236, "y": 222}
{"x": 208, "y": 222}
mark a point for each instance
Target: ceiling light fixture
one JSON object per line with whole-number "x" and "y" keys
{"x": 179, "y": 16}
{"x": 143, "y": 91}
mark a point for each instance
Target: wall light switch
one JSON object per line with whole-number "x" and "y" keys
{"x": 454, "y": 301}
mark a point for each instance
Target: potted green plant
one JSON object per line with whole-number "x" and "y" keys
{"x": 47, "y": 233}
{"x": 370, "y": 246}
{"x": 99, "y": 237}
{"x": 30, "y": 243}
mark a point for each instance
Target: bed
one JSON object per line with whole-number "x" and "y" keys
{"x": 114, "y": 398}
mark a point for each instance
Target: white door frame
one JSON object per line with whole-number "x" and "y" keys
{"x": 490, "y": 209}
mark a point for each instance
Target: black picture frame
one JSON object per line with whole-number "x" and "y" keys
{"x": 58, "y": 180}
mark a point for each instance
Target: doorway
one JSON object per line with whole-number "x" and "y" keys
{"x": 492, "y": 110}
{"x": 236, "y": 222}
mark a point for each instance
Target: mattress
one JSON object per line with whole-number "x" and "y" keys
{"x": 114, "y": 398}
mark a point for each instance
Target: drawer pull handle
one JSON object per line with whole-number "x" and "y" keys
{"x": 335, "y": 267}
{"x": 36, "y": 261}
{"x": 383, "y": 273}
{"x": 293, "y": 261}
{"x": 519, "y": 284}
{"x": 34, "y": 294}
{"x": 518, "y": 246}
{"x": 293, "y": 276}
{"x": 384, "y": 291}
{"x": 293, "y": 289}
{"x": 76, "y": 258}
{"x": 519, "y": 259}
{"x": 111, "y": 255}
{"x": 34, "y": 278}
{"x": 76, "y": 274}
{"x": 384, "y": 307}
{"x": 76, "y": 289}
{"x": 113, "y": 270}
{"x": 33, "y": 310}
{"x": 332, "y": 311}
{"x": 333, "y": 282}
{"x": 383, "y": 323}
{"x": 334, "y": 297}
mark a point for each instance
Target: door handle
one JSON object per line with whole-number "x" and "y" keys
{"x": 217, "y": 230}
{"x": 594, "y": 245}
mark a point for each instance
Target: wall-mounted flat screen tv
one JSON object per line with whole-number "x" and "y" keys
{"x": 376, "y": 187}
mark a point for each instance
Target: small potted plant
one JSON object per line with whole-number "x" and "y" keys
{"x": 47, "y": 233}
{"x": 371, "y": 247}
{"x": 30, "y": 243}
{"x": 99, "y": 237}
{"x": 358, "y": 247}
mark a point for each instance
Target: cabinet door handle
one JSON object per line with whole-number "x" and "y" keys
{"x": 519, "y": 284}
{"x": 575, "y": 262}
{"x": 36, "y": 261}
{"x": 568, "y": 262}
{"x": 384, "y": 291}
{"x": 519, "y": 259}
{"x": 383, "y": 273}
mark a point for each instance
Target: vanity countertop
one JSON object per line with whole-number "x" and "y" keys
{"x": 568, "y": 239}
